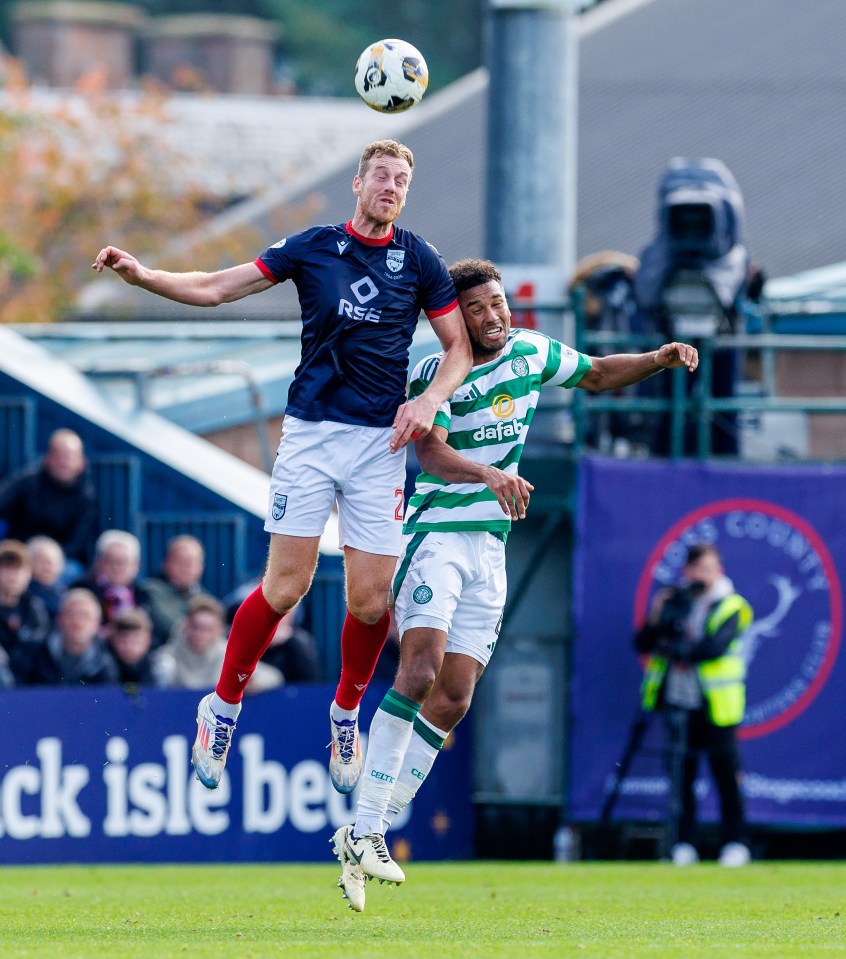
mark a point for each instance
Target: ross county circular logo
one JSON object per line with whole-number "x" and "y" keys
{"x": 519, "y": 366}
{"x": 421, "y": 595}
{"x": 780, "y": 563}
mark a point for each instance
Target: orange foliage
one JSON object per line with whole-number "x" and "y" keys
{"x": 79, "y": 170}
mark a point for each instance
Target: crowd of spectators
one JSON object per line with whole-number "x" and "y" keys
{"x": 73, "y": 610}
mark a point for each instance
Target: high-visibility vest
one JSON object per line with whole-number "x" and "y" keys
{"x": 723, "y": 680}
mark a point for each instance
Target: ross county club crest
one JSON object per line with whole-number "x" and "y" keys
{"x": 280, "y": 501}
{"x": 519, "y": 366}
{"x": 421, "y": 595}
{"x": 395, "y": 260}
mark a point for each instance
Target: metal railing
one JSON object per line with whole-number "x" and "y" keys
{"x": 698, "y": 406}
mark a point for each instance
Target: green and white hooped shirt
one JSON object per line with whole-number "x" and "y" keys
{"x": 487, "y": 419}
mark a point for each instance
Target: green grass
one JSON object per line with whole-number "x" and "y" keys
{"x": 617, "y": 910}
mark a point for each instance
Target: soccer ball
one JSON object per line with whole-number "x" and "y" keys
{"x": 391, "y": 76}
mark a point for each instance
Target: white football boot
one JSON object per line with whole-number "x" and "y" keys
{"x": 214, "y": 736}
{"x": 368, "y": 852}
{"x": 352, "y": 882}
{"x": 345, "y": 759}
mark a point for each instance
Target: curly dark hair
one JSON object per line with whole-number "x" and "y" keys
{"x": 469, "y": 273}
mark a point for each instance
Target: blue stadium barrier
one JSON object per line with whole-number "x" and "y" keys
{"x": 117, "y": 480}
{"x": 324, "y": 611}
{"x": 17, "y": 429}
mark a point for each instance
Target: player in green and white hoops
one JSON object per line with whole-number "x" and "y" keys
{"x": 449, "y": 588}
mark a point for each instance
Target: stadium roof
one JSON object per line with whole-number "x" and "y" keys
{"x": 204, "y": 377}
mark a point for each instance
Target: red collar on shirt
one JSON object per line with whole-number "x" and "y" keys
{"x": 369, "y": 240}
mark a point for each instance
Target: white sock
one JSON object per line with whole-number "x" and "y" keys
{"x": 423, "y": 749}
{"x": 223, "y": 709}
{"x": 387, "y": 742}
{"x": 338, "y": 714}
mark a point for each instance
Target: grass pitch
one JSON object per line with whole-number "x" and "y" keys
{"x": 617, "y": 910}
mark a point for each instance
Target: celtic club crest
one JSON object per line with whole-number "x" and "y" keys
{"x": 421, "y": 595}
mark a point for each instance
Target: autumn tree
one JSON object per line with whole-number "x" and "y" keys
{"x": 81, "y": 168}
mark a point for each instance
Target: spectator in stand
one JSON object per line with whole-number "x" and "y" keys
{"x": 168, "y": 594}
{"x": 54, "y": 497}
{"x": 73, "y": 654}
{"x": 7, "y": 677}
{"x": 130, "y": 638}
{"x": 117, "y": 559}
{"x": 48, "y": 565}
{"x": 24, "y": 621}
{"x": 293, "y": 651}
{"x": 192, "y": 657}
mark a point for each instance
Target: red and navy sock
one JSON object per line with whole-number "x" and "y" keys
{"x": 361, "y": 644}
{"x": 252, "y": 630}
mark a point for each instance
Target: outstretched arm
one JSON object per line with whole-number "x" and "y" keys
{"x": 194, "y": 289}
{"x": 624, "y": 369}
{"x": 414, "y": 418}
{"x": 438, "y": 459}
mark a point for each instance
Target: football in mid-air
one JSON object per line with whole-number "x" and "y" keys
{"x": 391, "y": 76}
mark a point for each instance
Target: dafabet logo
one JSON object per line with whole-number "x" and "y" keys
{"x": 502, "y": 406}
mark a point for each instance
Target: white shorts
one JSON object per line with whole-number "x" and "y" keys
{"x": 317, "y": 463}
{"x": 454, "y": 582}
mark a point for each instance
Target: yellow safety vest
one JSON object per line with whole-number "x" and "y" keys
{"x": 722, "y": 679}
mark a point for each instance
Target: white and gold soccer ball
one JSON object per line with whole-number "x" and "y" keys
{"x": 391, "y": 76}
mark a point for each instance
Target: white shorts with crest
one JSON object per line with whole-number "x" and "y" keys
{"x": 318, "y": 463}
{"x": 454, "y": 582}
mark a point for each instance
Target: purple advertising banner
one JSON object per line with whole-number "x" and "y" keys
{"x": 97, "y": 775}
{"x": 782, "y": 536}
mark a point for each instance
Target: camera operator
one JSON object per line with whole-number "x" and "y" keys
{"x": 694, "y": 674}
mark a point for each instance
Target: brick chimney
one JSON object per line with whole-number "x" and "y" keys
{"x": 228, "y": 54}
{"x": 60, "y": 41}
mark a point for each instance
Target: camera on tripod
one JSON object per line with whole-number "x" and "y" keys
{"x": 672, "y": 620}
{"x": 692, "y": 276}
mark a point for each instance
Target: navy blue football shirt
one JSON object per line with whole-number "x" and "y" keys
{"x": 360, "y": 300}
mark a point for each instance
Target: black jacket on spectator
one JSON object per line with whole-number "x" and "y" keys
{"x": 296, "y": 658}
{"x": 135, "y": 674}
{"x": 32, "y": 503}
{"x": 49, "y": 665}
{"x": 23, "y": 630}
{"x": 28, "y": 622}
{"x": 51, "y": 596}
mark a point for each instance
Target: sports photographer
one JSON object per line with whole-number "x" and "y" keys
{"x": 695, "y": 675}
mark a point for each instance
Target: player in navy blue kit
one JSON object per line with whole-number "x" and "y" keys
{"x": 361, "y": 288}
